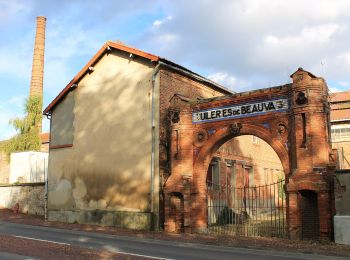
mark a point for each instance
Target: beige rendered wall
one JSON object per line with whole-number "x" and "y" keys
{"x": 62, "y": 122}
{"x": 108, "y": 166}
{"x": 341, "y": 142}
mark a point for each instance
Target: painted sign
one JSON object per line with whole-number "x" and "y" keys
{"x": 238, "y": 111}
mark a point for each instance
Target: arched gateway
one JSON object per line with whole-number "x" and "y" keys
{"x": 293, "y": 119}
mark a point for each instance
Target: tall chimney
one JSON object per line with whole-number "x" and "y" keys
{"x": 37, "y": 80}
{"x": 36, "y": 83}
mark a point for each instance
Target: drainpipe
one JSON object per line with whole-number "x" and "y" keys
{"x": 46, "y": 190}
{"x": 153, "y": 111}
{"x": 46, "y": 198}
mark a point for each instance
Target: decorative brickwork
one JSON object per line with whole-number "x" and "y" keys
{"x": 292, "y": 119}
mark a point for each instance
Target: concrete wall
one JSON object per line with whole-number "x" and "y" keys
{"x": 342, "y": 199}
{"x": 30, "y": 197}
{"x": 5, "y": 163}
{"x": 107, "y": 169}
{"x": 342, "y": 206}
{"x": 28, "y": 167}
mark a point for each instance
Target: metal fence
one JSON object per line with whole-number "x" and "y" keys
{"x": 247, "y": 211}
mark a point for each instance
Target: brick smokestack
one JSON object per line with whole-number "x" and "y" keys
{"x": 37, "y": 80}
{"x": 36, "y": 83}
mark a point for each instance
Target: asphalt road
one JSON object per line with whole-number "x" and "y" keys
{"x": 154, "y": 249}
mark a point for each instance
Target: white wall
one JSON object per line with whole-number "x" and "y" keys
{"x": 28, "y": 167}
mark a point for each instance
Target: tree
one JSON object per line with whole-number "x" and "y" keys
{"x": 28, "y": 129}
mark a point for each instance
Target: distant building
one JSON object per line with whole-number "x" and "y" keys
{"x": 249, "y": 160}
{"x": 340, "y": 126}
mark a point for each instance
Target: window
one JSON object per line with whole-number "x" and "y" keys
{"x": 255, "y": 139}
{"x": 251, "y": 176}
{"x": 266, "y": 175}
{"x": 213, "y": 175}
{"x": 340, "y": 133}
{"x": 233, "y": 175}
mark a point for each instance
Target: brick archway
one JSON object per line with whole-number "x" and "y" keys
{"x": 293, "y": 119}
{"x": 223, "y": 135}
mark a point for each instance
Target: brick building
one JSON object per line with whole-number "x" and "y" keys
{"x": 113, "y": 147}
{"x": 251, "y": 156}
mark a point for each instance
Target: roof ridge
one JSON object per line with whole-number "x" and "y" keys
{"x": 122, "y": 47}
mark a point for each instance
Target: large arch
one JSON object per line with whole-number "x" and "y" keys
{"x": 292, "y": 119}
{"x": 221, "y": 136}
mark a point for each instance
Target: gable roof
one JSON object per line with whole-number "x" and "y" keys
{"x": 340, "y": 106}
{"x": 340, "y": 115}
{"x": 300, "y": 69}
{"x": 121, "y": 47}
{"x": 340, "y": 97}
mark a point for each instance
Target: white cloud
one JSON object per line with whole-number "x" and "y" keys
{"x": 242, "y": 44}
{"x": 16, "y": 61}
{"x": 8, "y": 10}
{"x": 309, "y": 35}
{"x": 344, "y": 83}
{"x": 158, "y": 23}
{"x": 334, "y": 90}
{"x": 260, "y": 41}
{"x": 11, "y": 108}
{"x": 229, "y": 81}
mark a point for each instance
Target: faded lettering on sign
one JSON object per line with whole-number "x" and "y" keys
{"x": 238, "y": 111}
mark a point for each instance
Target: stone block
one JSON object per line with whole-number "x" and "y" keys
{"x": 130, "y": 220}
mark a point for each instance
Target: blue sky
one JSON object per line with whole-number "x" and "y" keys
{"x": 242, "y": 44}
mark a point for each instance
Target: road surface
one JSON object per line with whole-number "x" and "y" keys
{"x": 150, "y": 248}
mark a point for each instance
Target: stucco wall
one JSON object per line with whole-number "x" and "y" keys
{"x": 108, "y": 166}
{"x": 62, "y": 127}
{"x": 30, "y": 197}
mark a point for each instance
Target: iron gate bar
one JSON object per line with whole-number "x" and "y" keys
{"x": 247, "y": 210}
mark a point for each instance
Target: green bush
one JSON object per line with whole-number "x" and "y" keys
{"x": 28, "y": 129}
{"x": 226, "y": 216}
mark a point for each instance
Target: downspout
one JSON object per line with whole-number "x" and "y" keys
{"x": 46, "y": 196}
{"x": 153, "y": 157}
